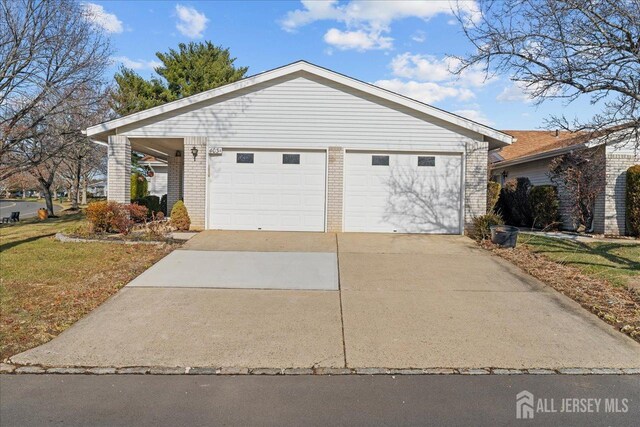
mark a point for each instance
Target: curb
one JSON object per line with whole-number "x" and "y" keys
{"x": 7, "y": 368}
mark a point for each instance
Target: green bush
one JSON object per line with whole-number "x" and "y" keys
{"x": 139, "y": 186}
{"x": 482, "y": 226}
{"x": 513, "y": 203}
{"x": 493, "y": 193}
{"x": 180, "y": 217}
{"x": 633, "y": 200}
{"x": 163, "y": 204}
{"x": 152, "y": 203}
{"x": 545, "y": 206}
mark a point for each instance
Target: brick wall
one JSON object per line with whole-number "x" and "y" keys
{"x": 615, "y": 192}
{"x": 475, "y": 189}
{"x": 174, "y": 179}
{"x": 195, "y": 180}
{"x": 119, "y": 169}
{"x": 335, "y": 188}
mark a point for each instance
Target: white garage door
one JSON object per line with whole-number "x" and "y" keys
{"x": 267, "y": 190}
{"x": 402, "y": 192}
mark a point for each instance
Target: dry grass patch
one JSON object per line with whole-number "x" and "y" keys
{"x": 615, "y": 304}
{"x": 46, "y": 285}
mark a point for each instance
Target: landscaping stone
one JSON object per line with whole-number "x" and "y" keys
{"x": 406, "y": 371}
{"x": 333, "y": 371}
{"x": 298, "y": 371}
{"x": 138, "y": 370}
{"x": 606, "y": 371}
{"x": 439, "y": 371}
{"x": 575, "y": 371}
{"x": 474, "y": 371}
{"x": 233, "y": 371}
{"x": 6, "y": 368}
{"x": 266, "y": 371}
{"x": 507, "y": 371}
{"x": 538, "y": 371}
{"x": 101, "y": 371}
{"x": 631, "y": 370}
{"x": 371, "y": 371}
{"x": 29, "y": 370}
{"x": 67, "y": 371}
{"x": 167, "y": 370}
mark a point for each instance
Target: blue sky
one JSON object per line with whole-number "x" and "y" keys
{"x": 399, "y": 45}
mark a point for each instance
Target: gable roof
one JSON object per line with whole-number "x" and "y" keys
{"x": 302, "y": 66}
{"x": 533, "y": 142}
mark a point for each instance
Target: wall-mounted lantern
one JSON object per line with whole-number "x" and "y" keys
{"x": 194, "y": 151}
{"x": 178, "y": 153}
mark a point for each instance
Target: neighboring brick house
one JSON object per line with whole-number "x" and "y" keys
{"x": 531, "y": 153}
{"x": 303, "y": 148}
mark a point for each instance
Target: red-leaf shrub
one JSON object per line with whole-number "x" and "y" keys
{"x": 114, "y": 217}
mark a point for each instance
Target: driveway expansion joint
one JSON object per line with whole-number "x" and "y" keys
{"x": 8, "y": 368}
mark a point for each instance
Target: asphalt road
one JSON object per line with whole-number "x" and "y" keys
{"x": 29, "y": 400}
{"x": 26, "y": 209}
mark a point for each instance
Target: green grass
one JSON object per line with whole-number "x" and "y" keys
{"x": 46, "y": 285}
{"x": 618, "y": 263}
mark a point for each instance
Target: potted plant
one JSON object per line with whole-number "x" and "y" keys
{"x": 43, "y": 213}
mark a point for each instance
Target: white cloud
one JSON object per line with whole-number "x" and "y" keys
{"x": 358, "y": 40}
{"x": 521, "y": 92}
{"x": 430, "y": 68}
{"x": 191, "y": 23}
{"x": 372, "y": 17}
{"x": 139, "y": 64}
{"x": 475, "y": 115}
{"x": 419, "y": 36}
{"x": 101, "y": 18}
{"x": 427, "y": 92}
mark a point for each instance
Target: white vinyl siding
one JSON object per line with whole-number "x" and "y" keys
{"x": 305, "y": 110}
{"x": 537, "y": 172}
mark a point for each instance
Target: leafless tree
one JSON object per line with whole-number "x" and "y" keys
{"x": 48, "y": 50}
{"x": 580, "y": 176}
{"x": 564, "y": 49}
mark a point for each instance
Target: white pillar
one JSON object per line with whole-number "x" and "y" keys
{"x": 119, "y": 169}
{"x": 195, "y": 180}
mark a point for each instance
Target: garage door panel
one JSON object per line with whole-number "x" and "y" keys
{"x": 402, "y": 197}
{"x": 267, "y": 194}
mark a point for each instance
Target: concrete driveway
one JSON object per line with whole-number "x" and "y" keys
{"x": 404, "y": 301}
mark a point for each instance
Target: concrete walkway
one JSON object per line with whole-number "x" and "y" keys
{"x": 405, "y": 301}
{"x": 580, "y": 237}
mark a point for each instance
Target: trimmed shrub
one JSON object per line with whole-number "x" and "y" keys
{"x": 633, "y": 200}
{"x": 545, "y": 206}
{"x": 493, "y": 193}
{"x": 180, "y": 217}
{"x": 163, "y": 204}
{"x": 139, "y": 186}
{"x": 114, "y": 217}
{"x": 481, "y": 226}
{"x": 513, "y": 203}
{"x": 150, "y": 202}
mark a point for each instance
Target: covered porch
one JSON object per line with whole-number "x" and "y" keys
{"x": 186, "y": 172}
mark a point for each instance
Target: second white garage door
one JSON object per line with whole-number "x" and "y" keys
{"x": 267, "y": 190}
{"x": 402, "y": 192}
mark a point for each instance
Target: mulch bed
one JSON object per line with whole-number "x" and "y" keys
{"x": 617, "y": 306}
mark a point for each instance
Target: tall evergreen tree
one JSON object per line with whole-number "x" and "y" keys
{"x": 192, "y": 68}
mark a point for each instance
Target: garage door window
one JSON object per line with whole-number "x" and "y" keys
{"x": 380, "y": 160}
{"x": 291, "y": 159}
{"x": 244, "y": 158}
{"x": 426, "y": 161}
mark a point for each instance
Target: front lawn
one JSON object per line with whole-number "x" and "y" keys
{"x": 618, "y": 263}
{"x": 46, "y": 285}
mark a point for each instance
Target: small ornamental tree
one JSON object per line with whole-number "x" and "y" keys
{"x": 544, "y": 206}
{"x": 493, "y": 193}
{"x": 633, "y": 200}
{"x": 139, "y": 186}
{"x": 180, "y": 217}
{"x": 581, "y": 175}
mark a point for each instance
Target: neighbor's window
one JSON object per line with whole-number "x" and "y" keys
{"x": 244, "y": 158}
{"x": 426, "y": 161}
{"x": 291, "y": 159}
{"x": 380, "y": 160}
